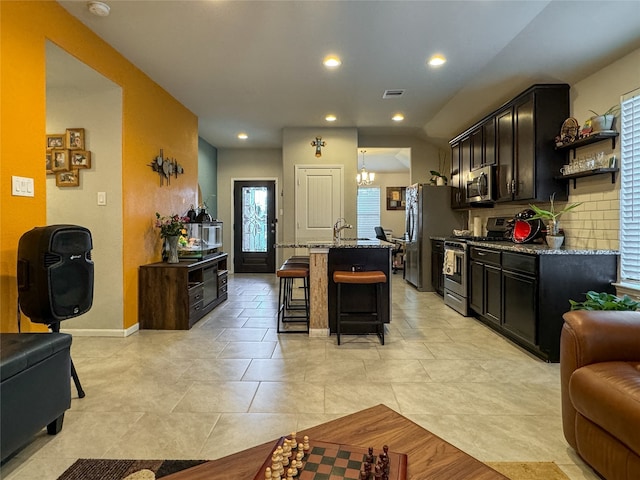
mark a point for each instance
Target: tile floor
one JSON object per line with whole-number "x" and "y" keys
{"x": 231, "y": 382}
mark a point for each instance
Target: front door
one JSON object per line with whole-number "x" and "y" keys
{"x": 254, "y": 232}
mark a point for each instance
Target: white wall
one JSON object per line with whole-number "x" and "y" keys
{"x": 99, "y": 111}
{"x": 391, "y": 219}
{"x": 596, "y": 223}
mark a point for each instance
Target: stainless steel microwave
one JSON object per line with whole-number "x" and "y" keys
{"x": 480, "y": 185}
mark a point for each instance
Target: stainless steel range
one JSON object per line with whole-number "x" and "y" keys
{"x": 456, "y": 263}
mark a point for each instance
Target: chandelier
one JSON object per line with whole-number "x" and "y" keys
{"x": 364, "y": 177}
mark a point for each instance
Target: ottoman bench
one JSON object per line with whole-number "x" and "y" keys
{"x": 35, "y": 386}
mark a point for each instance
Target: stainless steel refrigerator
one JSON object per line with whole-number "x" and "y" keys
{"x": 428, "y": 214}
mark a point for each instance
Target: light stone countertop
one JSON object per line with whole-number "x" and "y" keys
{"x": 540, "y": 249}
{"x": 343, "y": 243}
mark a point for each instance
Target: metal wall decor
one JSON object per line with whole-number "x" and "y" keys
{"x": 166, "y": 168}
{"x": 318, "y": 143}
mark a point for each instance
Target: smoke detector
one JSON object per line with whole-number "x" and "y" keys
{"x": 99, "y": 9}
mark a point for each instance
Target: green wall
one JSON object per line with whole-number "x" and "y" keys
{"x": 208, "y": 175}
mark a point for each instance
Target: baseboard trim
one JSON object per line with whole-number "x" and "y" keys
{"x": 101, "y": 332}
{"x": 318, "y": 332}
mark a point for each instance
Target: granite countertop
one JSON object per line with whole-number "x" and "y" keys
{"x": 343, "y": 243}
{"x": 540, "y": 249}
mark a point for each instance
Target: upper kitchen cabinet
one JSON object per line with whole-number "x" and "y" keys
{"x": 518, "y": 139}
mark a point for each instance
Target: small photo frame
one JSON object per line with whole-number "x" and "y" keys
{"x": 55, "y": 140}
{"x": 75, "y": 138}
{"x": 68, "y": 179}
{"x": 60, "y": 160}
{"x": 48, "y": 163}
{"x": 80, "y": 159}
{"x": 396, "y": 198}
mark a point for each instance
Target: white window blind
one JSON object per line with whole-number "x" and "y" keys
{"x": 368, "y": 211}
{"x": 630, "y": 187}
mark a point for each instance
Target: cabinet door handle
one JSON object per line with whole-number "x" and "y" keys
{"x": 481, "y": 254}
{"x": 513, "y": 186}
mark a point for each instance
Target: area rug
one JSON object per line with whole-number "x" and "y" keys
{"x": 97, "y": 469}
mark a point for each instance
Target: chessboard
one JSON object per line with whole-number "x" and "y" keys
{"x": 332, "y": 461}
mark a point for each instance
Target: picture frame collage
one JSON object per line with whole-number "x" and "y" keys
{"x": 66, "y": 155}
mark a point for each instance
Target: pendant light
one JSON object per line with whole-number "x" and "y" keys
{"x": 364, "y": 178}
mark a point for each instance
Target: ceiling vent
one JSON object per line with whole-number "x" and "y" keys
{"x": 395, "y": 93}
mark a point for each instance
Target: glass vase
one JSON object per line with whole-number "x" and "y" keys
{"x": 172, "y": 249}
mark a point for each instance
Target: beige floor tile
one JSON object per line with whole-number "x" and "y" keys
{"x": 292, "y": 397}
{"x": 221, "y": 386}
{"x": 218, "y": 397}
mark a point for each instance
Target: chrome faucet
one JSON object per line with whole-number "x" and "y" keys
{"x": 340, "y": 225}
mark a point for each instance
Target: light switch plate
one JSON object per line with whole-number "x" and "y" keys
{"x": 22, "y": 186}
{"x": 102, "y": 198}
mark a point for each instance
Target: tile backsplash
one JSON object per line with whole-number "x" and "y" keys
{"x": 594, "y": 224}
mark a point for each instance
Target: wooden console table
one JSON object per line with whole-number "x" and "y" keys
{"x": 429, "y": 456}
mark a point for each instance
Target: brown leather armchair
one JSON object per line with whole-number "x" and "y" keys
{"x": 600, "y": 382}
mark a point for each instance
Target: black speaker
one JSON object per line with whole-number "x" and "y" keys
{"x": 55, "y": 273}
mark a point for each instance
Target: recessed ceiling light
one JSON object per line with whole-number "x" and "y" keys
{"x": 243, "y": 136}
{"x": 99, "y": 9}
{"x": 437, "y": 60}
{"x": 398, "y": 117}
{"x": 330, "y": 118}
{"x": 332, "y": 61}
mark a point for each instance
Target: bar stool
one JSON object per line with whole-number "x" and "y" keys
{"x": 360, "y": 278}
{"x": 287, "y": 273}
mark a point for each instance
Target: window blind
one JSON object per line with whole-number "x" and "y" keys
{"x": 630, "y": 187}
{"x": 368, "y": 211}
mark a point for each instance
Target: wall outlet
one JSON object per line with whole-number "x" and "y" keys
{"x": 22, "y": 186}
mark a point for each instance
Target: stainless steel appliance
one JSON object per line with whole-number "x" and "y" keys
{"x": 480, "y": 185}
{"x": 455, "y": 276}
{"x": 456, "y": 264}
{"x": 428, "y": 214}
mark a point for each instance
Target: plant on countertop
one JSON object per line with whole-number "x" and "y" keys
{"x": 435, "y": 174}
{"x": 614, "y": 110}
{"x": 605, "y": 301}
{"x": 170, "y": 225}
{"x": 551, "y": 215}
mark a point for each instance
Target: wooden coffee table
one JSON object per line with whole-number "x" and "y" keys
{"x": 429, "y": 456}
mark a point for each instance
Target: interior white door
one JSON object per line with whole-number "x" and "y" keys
{"x": 319, "y": 201}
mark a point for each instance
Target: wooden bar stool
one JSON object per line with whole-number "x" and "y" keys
{"x": 375, "y": 318}
{"x": 287, "y": 273}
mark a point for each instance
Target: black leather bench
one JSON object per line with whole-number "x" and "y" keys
{"x": 35, "y": 387}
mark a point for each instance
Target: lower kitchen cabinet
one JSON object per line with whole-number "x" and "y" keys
{"x": 437, "y": 264}
{"x": 174, "y": 296}
{"x": 523, "y": 296}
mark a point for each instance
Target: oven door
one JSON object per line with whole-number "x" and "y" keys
{"x": 455, "y": 278}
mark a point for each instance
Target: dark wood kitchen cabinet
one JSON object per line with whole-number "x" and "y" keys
{"x": 437, "y": 263}
{"x": 485, "y": 289}
{"x": 174, "y": 296}
{"x": 524, "y": 295}
{"x": 456, "y": 178}
{"x": 518, "y": 139}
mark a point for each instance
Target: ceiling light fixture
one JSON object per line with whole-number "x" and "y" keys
{"x": 364, "y": 178}
{"x": 398, "y": 117}
{"x": 330, "y": 118}
{"x": 99, "y": 9}
{"x": 437, "y": 60}
{"x": 332, "y": 61}
{"x": 243, "y": 136}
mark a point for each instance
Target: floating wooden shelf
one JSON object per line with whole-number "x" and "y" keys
{"x": 589, "y": 173}
{"x": 596, "y": 137}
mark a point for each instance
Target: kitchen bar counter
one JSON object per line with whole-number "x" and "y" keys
{"x": 540, "y": 249}
{"x": 324, "y": 257}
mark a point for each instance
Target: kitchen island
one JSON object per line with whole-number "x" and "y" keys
{"x": 325, "y": 257}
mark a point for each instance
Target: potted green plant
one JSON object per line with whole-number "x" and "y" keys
{"x": 438, "y": 178}
{"x": 605, "y": 301}
{"x": 604, "y": 122}
{"x": 551, "y": 216}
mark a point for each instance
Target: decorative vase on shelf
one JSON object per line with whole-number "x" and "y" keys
{"x": 172, "y": 249}
{"x": 554, "y": 238}
{"x": 440, "y": 182}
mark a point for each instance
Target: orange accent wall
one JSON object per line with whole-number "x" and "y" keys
{"x": 151, "y": 119}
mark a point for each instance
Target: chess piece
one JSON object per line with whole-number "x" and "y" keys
{"x": 305, "y": 443}
{"x": 301, "y": 448}
{"x": 299, "y": 462}
{"x": 293, "y": 439}
{"x": 377, "y": 473}
{"x": 364, "y": 475}
{"x": 275, "y": 466}
{"x": 267, "y": 474}
{"x": 370, "y": 458}
{"x": 290, "y": 474}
